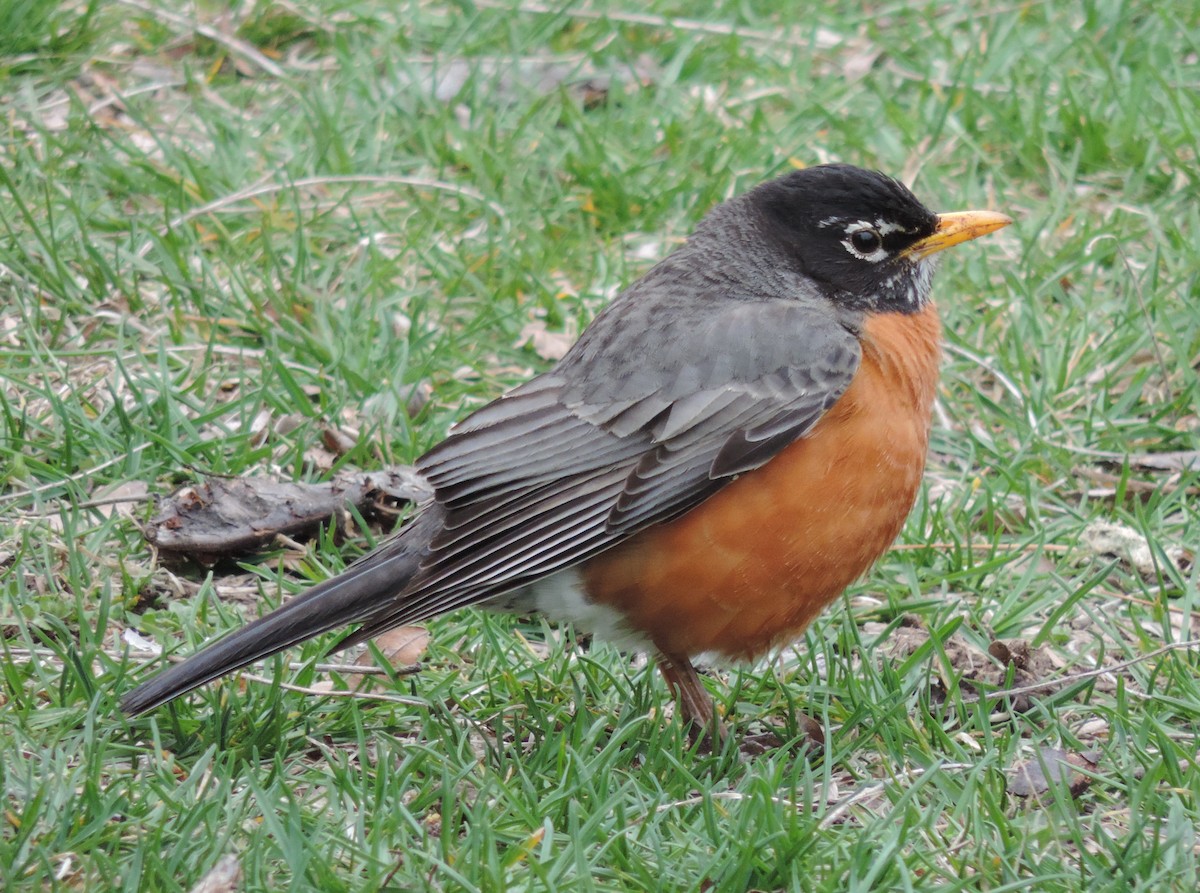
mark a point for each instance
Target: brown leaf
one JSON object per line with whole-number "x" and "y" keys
{"x": 1015, "y": 653}
{"x": 260, "y": 426}
{"x": 767, "y": 738}
{"x": 418, "y": 397}
{"x": 403, "y": 647}
{"x": 1053, "y": 767}
{"x": 857, "y": 58}
{"x": 319, "y": 460}
{"x": 1106, "y": 538}
{"x": 224, "y": 877}
{"x": 968, "y": 665}
{"x": 546, "y": 344}
{"x": 337, "y": 441}
{"x": 122, "y": 498}
{"x": 286, "y": 424}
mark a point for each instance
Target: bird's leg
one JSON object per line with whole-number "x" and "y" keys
{"x": 695, "y": 703}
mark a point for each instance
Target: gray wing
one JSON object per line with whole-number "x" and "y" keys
{"x": 593, "y": 451}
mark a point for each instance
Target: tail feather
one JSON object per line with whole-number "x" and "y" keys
{"x": 362, "y": 590}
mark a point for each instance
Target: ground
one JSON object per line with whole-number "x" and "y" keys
{"x": 302, "y": 237}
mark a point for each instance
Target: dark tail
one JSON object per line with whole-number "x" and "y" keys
{"x": 362, "y": 590}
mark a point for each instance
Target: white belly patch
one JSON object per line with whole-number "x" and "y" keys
{"x": 560, "y": 597}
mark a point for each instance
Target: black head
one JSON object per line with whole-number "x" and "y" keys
{"x": 852, "y": 232}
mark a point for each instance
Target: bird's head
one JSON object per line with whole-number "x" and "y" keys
{"x": 863, "y": 238}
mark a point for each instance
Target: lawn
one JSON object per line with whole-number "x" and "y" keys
{"x": 302, "y": 237}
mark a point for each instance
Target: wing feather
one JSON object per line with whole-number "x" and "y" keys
{"x": 581, "y": 458}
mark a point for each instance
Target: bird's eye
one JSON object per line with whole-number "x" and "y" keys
{"x": 866, "y": 241}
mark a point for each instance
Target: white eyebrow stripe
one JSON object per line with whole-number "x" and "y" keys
{"x": 883, "y": 227}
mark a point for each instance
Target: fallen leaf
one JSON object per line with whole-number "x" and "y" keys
{"x": 546, "y": 344}
{"x": 260, "y": 426}
{"x": 402, "y": 647}
{"x": 1106, "y": 538}
{"x": 972, "y": 670}
{"x": 319, "y": 460}
{"x": 337, "y": 441}
{"x": 1052, "y": 767}
{"x": 138, "y": 642}
{"x": 121, "y": 498}
{"x": 224, "y": 877}
{"x": 857, "y": 58}
{"x": 418, "y": 398}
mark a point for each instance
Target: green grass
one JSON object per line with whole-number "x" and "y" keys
{"x": 288, "y": 223}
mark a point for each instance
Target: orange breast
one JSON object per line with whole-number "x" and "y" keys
{"x": 751, "y": 567}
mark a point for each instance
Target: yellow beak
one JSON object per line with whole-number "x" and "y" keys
{"x": 956, "y": 227}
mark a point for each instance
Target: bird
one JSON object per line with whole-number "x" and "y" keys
{"x": 731, "y": 443}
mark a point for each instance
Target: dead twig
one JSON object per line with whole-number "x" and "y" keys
{"x": 27, "y": 654}
{"x": 225, "y": 202}
{"x": 233, "y": 44}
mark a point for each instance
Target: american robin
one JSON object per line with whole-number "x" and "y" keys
{"x": 734, "y": 440}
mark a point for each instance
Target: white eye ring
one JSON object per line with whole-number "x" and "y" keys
{"x": 865, "y": 242}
